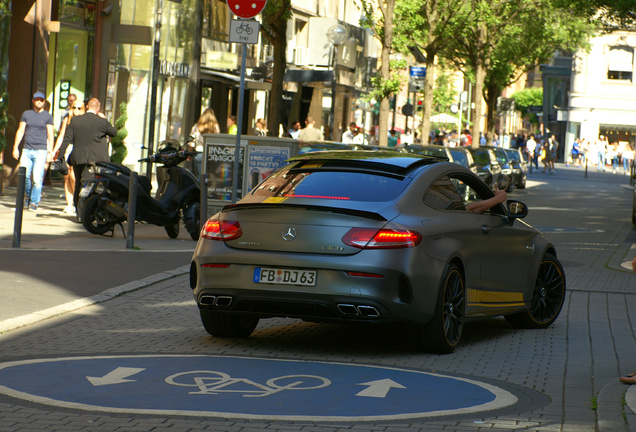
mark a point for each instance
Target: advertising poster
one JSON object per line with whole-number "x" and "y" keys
{"x": 219, "y": 167}
{"x": 261, "y": 161}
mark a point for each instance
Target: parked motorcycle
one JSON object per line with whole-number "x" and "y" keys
{"x": 104, "y": 197}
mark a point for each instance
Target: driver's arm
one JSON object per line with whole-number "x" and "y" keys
{"x": 487, "y": 204}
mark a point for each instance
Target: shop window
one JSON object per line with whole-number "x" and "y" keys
{"x": 621, "y": 63}
{"x": 215, "y": 20}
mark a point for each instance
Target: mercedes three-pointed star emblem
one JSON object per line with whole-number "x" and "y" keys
{"x": 289, "y": 233}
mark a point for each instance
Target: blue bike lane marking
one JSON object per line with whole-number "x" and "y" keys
{"x": 242, "y": 387}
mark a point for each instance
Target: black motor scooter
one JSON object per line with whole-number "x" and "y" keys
{"x": 103, "y": 199}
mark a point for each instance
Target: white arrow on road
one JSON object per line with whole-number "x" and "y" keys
{"x": 118, "y": 376}
{"x": 379, "y": 388}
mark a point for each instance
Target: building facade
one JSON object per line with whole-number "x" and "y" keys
{"x": 168, "y": 60}
{"x": 602, "y": 98}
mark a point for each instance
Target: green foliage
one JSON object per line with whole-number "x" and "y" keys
{"x": 5, "y": 7}
{"x": 444, "y": 95}
{"x": 119, "y": 146}
{"x": 526, "y": 98}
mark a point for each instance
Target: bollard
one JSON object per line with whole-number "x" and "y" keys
{"x": 203, "y": 200}
{"x": 132, "y": 210}
{"x": 19, "y": 207}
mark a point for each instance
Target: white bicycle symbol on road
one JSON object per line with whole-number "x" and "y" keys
{"x": 214, "y": 382}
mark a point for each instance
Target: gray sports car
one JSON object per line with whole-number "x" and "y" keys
{"x": 374, "y": 237}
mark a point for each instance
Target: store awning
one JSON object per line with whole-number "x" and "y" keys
{"x": 308, "y": 75}
{"x": 231, "y": 79}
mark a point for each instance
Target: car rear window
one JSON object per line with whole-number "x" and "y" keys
{"x": 331, "y": 185}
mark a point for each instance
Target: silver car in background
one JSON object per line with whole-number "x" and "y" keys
{"x": 353, "y": 236}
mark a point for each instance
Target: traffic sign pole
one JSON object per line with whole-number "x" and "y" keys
{"x": 243, "y": 9}
{"x": 239, "y": 126}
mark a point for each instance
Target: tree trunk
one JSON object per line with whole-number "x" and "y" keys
{"x": 427, "y": 108}
{"x": 385, "y": 69}
{"x": 275, "y": 108}
{"x": 492, "y": 94}
{"x": 480, "y": 77}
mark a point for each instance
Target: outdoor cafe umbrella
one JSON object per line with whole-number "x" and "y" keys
{"x": 443, "y": 118}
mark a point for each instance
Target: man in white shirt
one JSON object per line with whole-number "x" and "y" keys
{"x": 531, "y": 146}
{"x": 349, "y": 134}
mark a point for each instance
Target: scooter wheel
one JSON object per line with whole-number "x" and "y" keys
{"x": 173, "y": 229}
{"x": 192, "y": 219}
{"x": 96, "y": 220}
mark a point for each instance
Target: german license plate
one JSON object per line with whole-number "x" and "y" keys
{"x": 285, "y": 276}
{"x": 86, "y": 190}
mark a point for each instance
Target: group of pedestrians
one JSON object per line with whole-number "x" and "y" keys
{"x": 540, "y": 149}
{"x": 82, "y": 139}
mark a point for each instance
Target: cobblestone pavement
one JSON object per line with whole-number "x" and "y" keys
{"x": 575, "y": 363}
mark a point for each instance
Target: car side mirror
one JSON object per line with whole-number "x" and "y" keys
{"x": 517, "y": 209}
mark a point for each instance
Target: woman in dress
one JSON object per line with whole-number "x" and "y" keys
{"x": 77, "y": 109}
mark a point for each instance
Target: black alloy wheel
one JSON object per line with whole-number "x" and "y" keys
{"x": 444, "y": 332}
{"x": 547, "y": 297}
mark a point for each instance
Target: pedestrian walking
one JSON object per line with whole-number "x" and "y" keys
{"x": 207, "y": 123}
{"x": 532, "y": 152}
{"x": 309, "y": 132}
{"x": 601, "y": 149}
{"x": 349, "y": 134}
{"x": 36, "y": 127}
{"x": 87, "y": 134}
{"x": 232, "y": 129}
{"x": 77, "y": 109}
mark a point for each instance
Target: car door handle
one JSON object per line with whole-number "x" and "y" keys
{"x": 485, "y": 229}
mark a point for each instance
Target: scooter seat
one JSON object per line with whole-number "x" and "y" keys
{"x": 145, "y": 183}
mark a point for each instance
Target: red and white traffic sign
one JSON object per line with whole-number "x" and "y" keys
{"x": 246, "y": 8}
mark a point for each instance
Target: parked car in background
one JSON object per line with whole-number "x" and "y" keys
{"x": 506, "y": 168}
{"x": 372, "y": 237}
{"x": 488, "y": 168}
{"x": 430, "y": 150}
{"x": 463, "y": 157}
{"x": 519, "y": 167}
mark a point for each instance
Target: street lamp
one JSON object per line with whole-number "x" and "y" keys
{"x": 336, "y": 34}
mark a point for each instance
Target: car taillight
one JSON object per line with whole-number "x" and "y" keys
{"x": 221, "y": 230}
{"x": 368, "y": 238}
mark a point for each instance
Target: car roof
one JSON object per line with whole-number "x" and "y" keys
{"x": 383, "y": 161}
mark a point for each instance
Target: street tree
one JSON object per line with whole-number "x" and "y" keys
{"x": 538, "y": 32}
{"x": 610, "y": 15}
{"x": 524, "y": 99}
{"x": 379, "y": 17}
{"x": 274, "y": 28}
{"x": 428, "y": 25}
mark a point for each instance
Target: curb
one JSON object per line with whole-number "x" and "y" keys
{"x": 35, "y": 317}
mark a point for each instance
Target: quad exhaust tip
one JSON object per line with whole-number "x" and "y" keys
{"x": 358, "y": 310}
{"x": 209, "y": 300}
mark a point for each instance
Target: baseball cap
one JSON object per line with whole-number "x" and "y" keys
{"x": 38, "y": 94}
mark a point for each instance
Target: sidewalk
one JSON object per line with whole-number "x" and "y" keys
{"x": 60, "y": 267}
{"x": 50, "y": 228}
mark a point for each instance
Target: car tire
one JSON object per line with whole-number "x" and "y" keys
{"x": 522, "y": 183}
{"x": 443, "y": 333}
{"x": 222, "y": 324}
{"x": 547, "y": 297}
